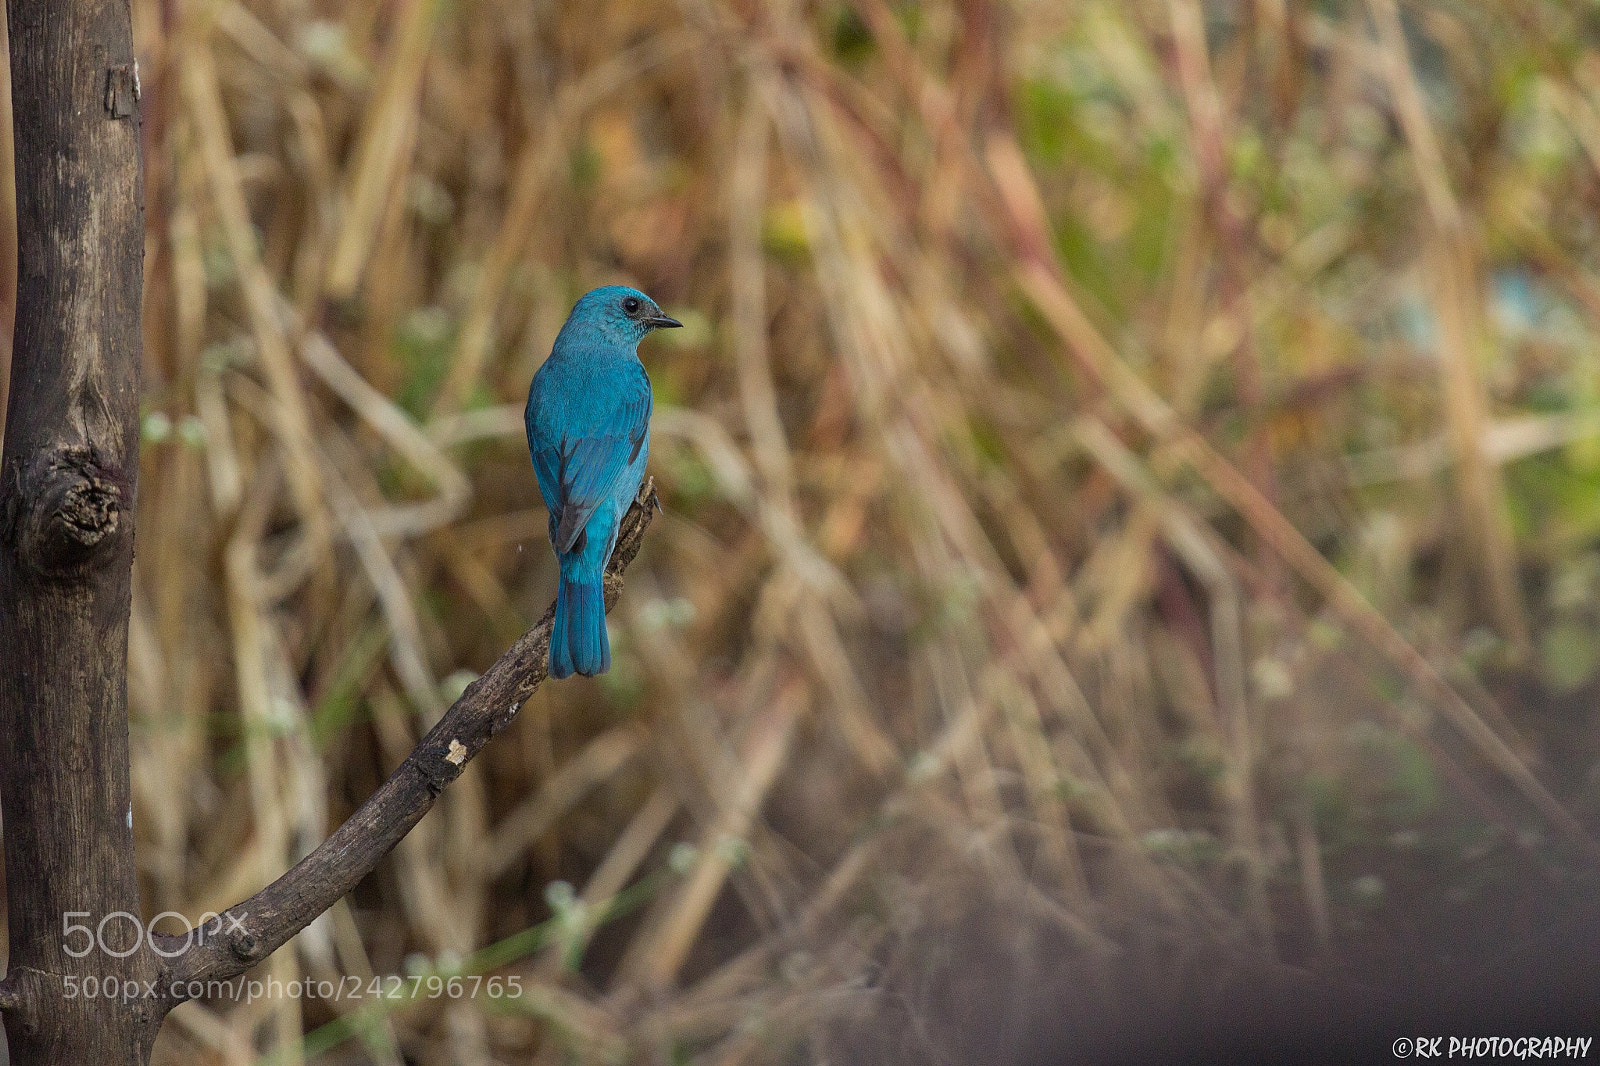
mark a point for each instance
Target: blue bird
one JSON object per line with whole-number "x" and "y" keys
{"x": 588, "y": 422}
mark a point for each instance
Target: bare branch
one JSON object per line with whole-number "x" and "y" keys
{"x": 250, "y": 931}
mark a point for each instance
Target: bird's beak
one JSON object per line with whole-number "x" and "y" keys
{"x": 662, "y": 322}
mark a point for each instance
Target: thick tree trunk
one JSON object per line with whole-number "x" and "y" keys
{"x": 67, "y": 477}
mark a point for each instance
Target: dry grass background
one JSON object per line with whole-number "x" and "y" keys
{"x": 1116, "y": 453}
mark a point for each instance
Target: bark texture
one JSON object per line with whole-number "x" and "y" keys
{"x": 67, "y": 478}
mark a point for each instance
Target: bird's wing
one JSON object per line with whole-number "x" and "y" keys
{"x": 544, "y": 446}
{"x": 547, "y": 468}
{"x": 585, "y": 468}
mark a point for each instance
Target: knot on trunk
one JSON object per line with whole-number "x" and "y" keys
{"x": 65, "y": 511}
{"x": 19, "y": 997}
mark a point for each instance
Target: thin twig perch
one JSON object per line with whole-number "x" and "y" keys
{"x": 250, "y": 931}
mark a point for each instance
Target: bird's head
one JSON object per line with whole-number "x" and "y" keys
{"x": 619, "y": 313}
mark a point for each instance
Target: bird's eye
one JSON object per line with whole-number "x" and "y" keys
{"x": 631, "y": 305}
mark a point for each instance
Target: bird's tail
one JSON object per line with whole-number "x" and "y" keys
{"x": 578, "y": 643}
